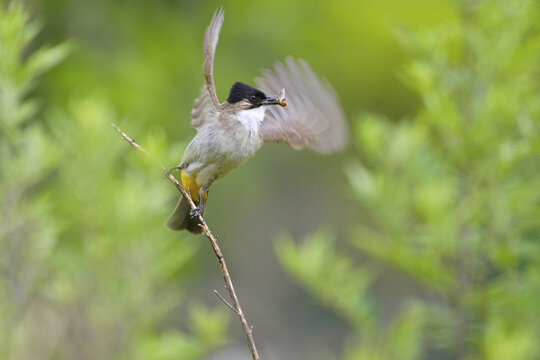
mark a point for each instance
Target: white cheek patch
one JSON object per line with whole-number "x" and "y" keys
{"x": 252, "y": 118}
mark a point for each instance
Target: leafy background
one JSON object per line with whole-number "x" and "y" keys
{"x": 418, "y": 242}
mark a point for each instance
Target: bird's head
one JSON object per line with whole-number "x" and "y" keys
{"x": 247, "y": 97}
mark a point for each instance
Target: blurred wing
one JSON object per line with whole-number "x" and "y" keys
{"x": 313, "y": 118}
{"x": 205, "y": 106}
{"x": 203, "y": 109}
{"x": 211, "y": 37}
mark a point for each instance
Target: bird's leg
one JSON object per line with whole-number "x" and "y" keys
{"x": 196, "y": 212}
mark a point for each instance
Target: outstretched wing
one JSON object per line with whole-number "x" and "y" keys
{"x": 211, "y": 37}
{"x": 203, "y": 109}
{"x": 207, "y": 102}
{"x": 313, "y": 118}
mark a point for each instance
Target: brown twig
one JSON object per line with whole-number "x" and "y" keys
{"x": 235, "y": 306}
{"x": 224, "y": 301}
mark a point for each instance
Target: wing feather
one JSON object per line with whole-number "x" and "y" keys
{"x": 313, "y": 118}
{"x": 203, "y": 109}
{"x": 211, "y": 37}
{"x": 206, "y": 105}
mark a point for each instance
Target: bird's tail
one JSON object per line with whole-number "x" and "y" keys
{"x": 181, "y": 219}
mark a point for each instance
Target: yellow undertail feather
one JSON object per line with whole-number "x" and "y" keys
{"x": 180, "y": 218}
{"x": 190, "y": 184}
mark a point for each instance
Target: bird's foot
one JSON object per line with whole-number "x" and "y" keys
{"x": 195, "y": 213}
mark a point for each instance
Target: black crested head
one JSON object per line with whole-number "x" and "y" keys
{"x": 240, "y": 91}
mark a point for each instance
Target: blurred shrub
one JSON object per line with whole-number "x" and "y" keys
{"x": 452, "y": 198}
{"x": 87, "y": 270}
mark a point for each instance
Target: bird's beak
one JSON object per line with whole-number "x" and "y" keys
{"x": 272, "y": 100}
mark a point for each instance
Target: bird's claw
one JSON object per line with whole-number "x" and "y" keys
{"x": 195, "y": 213}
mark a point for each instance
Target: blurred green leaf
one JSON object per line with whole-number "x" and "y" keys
{"x": 332, "y": 277}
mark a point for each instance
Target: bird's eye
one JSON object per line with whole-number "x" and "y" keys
{"x": 253, "y": 97}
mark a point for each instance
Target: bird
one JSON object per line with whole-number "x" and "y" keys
{"x": 229, "y": 133}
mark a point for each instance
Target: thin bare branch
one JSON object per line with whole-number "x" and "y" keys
{"x": 129, "y": 140}
{"x": 225, "y": 301}
{"x": 235, "y": 306}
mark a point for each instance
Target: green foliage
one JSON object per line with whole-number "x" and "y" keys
{"x": 87, "y": 269}
{"x": 333, "y": 278}
{"x": 208, "y": 327}
{"x": 452, "y": 197}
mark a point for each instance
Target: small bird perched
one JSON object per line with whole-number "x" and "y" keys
{"x": 231, "y": 132}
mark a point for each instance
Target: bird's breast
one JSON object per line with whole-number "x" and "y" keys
{"x": 251, "y": 119}
{"x": 221, "y": 146}
{"x": 229, "y": 141}
{"x": 244, "y": 141}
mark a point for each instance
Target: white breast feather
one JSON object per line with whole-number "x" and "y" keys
{"x": 252, "y": 118}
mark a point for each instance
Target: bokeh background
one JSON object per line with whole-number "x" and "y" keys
{"x": 421, "y": 241}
